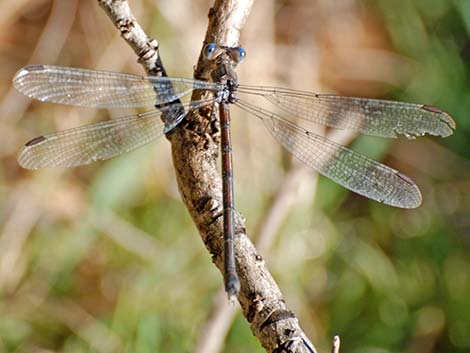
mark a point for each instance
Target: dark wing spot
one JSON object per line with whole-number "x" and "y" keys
{"x": 37, "y": 67}
{"x": 35, "y": 141}
{"x": 432, "y": 109}
{"x": 405, "y": 178}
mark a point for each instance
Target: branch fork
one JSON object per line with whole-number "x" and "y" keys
{"x": 200, "y": 184}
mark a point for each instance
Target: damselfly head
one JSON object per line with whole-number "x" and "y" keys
{"x": 212, "y": 51}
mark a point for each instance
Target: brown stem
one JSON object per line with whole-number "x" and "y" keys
{"x": 195, "y": 149}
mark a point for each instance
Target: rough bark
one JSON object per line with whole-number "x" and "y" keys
{"x": 195, "y": 148}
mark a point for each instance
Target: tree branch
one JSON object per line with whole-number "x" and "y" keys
{"x": 195, "y": 145}
{"x": 145, "y": 47}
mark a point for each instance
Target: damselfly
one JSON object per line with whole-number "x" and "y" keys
{"x": 103, "y": 140}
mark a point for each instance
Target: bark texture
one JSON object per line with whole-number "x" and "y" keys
{"x": 195, "y": 148}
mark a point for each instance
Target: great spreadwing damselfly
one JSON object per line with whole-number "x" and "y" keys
{"x": 104, "y": 140}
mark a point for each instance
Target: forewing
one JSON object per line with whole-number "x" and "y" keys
{"x": 375, "y": 117}
{"x": 101, "y": 89}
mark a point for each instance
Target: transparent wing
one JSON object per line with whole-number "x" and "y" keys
{"x": 102, "y": 89}
{"x": 99, "y": 141}
{"x": 87, "y": 144}
{"x": 370, "y": 116}
{"x": 350, "y": 169}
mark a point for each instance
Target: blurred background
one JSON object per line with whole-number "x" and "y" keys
{"x": 105, "y": 258}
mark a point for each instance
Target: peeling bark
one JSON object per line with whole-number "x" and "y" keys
{"x": 195, "y": 148}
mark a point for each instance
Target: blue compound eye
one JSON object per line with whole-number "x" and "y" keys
{"x": 237, "y": 54}
{"x": 211, "y": 51}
